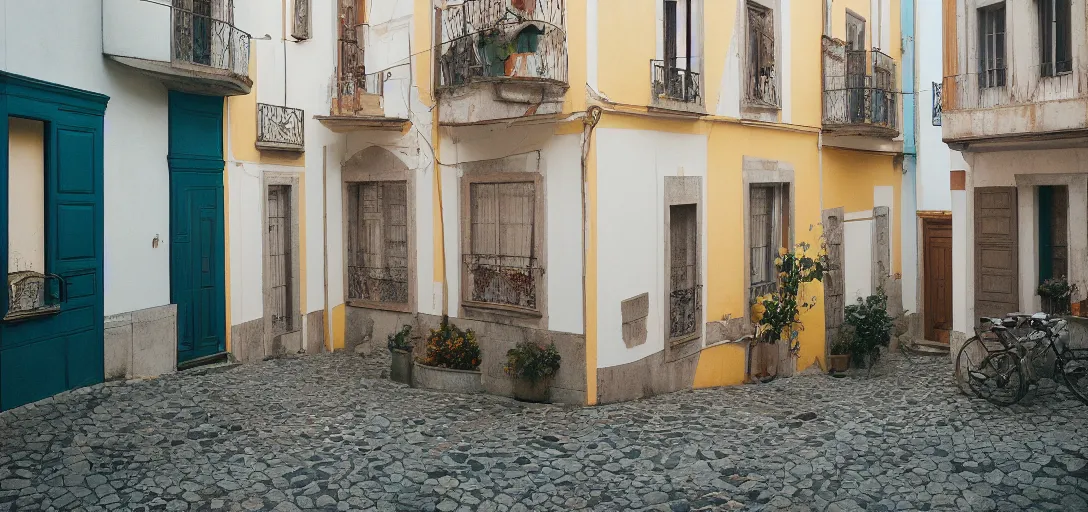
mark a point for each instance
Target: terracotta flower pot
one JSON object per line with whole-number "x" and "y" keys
{"x": 517, "y": 65}
{"x": 528, "y": 391}
{"x": 838, "y": 363}
{"x": 400, "y": 370}
{"x": 526, "y": 6}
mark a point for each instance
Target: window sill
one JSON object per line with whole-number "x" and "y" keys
{"x": 502, "y": 309}
{"x": 382, "y": 306}
{"x": 763, "y": 107}
{"x": 31, "y": 314}
{"x": 683, "y": 340}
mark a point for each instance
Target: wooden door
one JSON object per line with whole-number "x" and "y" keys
{"x": 197, "y": 230}
{"x": 997, "y": 282}
{"x": 937, "y": 240}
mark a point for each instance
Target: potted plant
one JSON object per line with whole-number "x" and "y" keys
{"x": 1056, "y": 293}
{"x": 778, "y": 314}
{"x": 871, "y": 325}
{"x": 452, "y": 362}
{"x": 839, "y": 359}
{"x": 400, "y": 347}
{"x": 532, "y": 366}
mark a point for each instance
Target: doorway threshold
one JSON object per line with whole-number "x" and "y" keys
{"x": 206, "y": 361}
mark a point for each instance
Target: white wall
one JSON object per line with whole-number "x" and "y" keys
{"x": 857, "y": 239}
{"x": 631, "y": 170}
{"x": 559, "y": 159}
{"x": 61, "y": 41}
{"x": 137, "y": 28}
{"x": 934, "y": 157}
{"x": 296, "y": 74}
{"x": 26, "y": 197}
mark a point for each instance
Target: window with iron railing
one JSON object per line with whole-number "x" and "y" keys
{"x": 377, "y": 256}
{"x": 685, "y": 292}
{"x": 501, "y": 267}
{"x": 769, "y": 228}
{"x": 761, "y": 76}
{"x": 1055, "y": 39}
{"x": 991, "y": 52}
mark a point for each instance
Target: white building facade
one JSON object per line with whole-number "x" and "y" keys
{"x": 1014, "y": 105}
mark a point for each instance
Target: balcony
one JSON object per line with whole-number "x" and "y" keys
{"x": 360, "y": 100}
{"x": 675, "y": 86}
{"x": 1006, "y": 109}
{"x": 502, "y": 59}
{"x": 191, "y": 45}
{"x": 860, "y": 97}
{"x": 280, "y": 128}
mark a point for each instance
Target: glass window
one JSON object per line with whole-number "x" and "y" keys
{"x": 991, "y": 54}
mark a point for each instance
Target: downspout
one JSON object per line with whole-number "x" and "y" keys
{"x": 325, "y": 240}
{"x": 593, "y": 116}
{"x": 909, "y": 192}
{"x": 436, "y": 152}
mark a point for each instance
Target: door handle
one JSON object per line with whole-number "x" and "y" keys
{"x": 62, "y": 288}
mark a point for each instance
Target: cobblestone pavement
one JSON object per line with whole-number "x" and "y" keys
{"x": 326, "y": 432}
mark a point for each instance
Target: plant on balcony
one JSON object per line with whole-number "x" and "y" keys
{"x": 532, "y": 366}
{"x": 1056, "y": 293}
{"x": 452, "y": 348}
{"x": 400, "y": 348}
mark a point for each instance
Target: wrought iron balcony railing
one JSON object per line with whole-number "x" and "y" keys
{"x": 936, "y": 104}
{"x": 280, "y": 127}
{"x": 975, "y": 91}
{"x": 386, "y": 284}
{"x": 859, "y": 92}
{"x": 207, "y": 41}
{"x": 514, "y": 39}
{"x": 685, "y": 311}
{"x": 502, "y": 280}
{"x": 674, "y": 81}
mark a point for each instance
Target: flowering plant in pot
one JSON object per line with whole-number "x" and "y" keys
{"x": 400, "y": 348}
{"x": 532, "y": 366}
{"x": 1056, "y": 293}
{"x": 778, "y": 314}
{"x": 452, "y": 361}
{"x": 871, "y": 326}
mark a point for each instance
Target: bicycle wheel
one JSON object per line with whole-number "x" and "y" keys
{"x": 1075, "y": 374}
{"x": 990, "y": 371}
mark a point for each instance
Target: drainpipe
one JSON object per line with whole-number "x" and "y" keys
{"x": 325, "y": 239}
{"x": 593, "y": 116}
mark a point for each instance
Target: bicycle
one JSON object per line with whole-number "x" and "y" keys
{"x": 1007, "y": 369}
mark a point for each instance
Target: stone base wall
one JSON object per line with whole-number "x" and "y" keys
{"x": 646, "y": 377}
{"x": 366, "y": 331}
{"x": 141, "y": 343}
{"x": 249, "y": 343}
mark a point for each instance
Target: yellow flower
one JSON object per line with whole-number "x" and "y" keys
{"x": 781, "y": 251}
{"x": 757, "y": 311}
{"x": 778, "y": 262}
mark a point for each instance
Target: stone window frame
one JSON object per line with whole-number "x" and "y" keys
{"x": 292, "y": 181}
{"x": 504, "y": 171}
{"x": 301, "y": 20}
{"x": 752, "y": 109}
{"x": 681, "y": 191}
{"x": 758, "y": 171}
{"x": 376, "y": 164}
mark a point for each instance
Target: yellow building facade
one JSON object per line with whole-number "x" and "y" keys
{"x": 648, "y": 160}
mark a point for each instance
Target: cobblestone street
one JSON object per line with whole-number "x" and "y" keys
{"x": 326, "y": 432}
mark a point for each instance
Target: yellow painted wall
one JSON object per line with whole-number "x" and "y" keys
{"x": 721, "y": 365}
{"x": 242, "y": 120}
{"x": 728, "y": 144}
{"x": 626, "y": 44}
{"x": 849, "y": 178}
{"x": 338, "y": 327}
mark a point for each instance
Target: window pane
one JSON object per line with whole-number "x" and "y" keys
{"x": 26, "y": 195}
{"x": 378, "y": 242}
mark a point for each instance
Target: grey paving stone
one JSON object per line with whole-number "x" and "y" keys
{"x": 327, "y": 432}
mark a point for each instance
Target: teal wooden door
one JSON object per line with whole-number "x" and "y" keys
{"x": 62, "y": 348}
{"x": 197, "y": 233}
